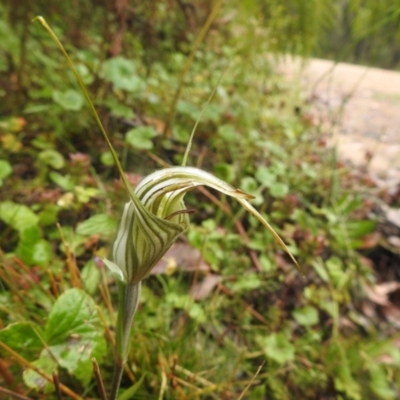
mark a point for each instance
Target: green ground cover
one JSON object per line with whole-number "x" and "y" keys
{"x": 225, "y": 315}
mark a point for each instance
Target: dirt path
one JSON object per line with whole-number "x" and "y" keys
{"x": 364, "y": 103}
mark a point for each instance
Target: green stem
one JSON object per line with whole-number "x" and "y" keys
{"x": 128, "y": 300}
{"x": 189, "y": 145}
{"x": 92, "y": 108}
{"x": 188, "y": 63}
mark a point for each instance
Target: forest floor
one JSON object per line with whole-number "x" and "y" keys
{"x": 361, "y": 107}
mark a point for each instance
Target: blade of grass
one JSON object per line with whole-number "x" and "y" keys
{"x": 91, "y": 106}
{"x": 251, "y": 382}
{"x": 188, "y": 64}
{"x": 189, "y": 145}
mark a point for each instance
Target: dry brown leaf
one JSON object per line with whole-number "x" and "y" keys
{"x": 368, "y": 310}
{"x": 204, "y": 288}
{"x": 182, "y": 256}
{"x": 394, "y": 241}
{"x": 392, "y": 215}
{"x": 371, "y": 241}
{"x": 157, "y": 124}
{"x": 378, "y": 293}
{"x": 392, "y": 314}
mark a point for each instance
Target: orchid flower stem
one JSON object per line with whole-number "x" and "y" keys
{"x": 91, "y": 107}
{"x": 128, "y": 300}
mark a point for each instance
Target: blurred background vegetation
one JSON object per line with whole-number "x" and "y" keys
{"x": 244, "y": 324}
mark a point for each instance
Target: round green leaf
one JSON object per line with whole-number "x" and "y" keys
{"x": 5, "y": 170}
{"x": 118, "y": 109}
{"x": 265, "y": 176}
{"x": 75, "y": 334}
{"x": 228, "y": 133}
{"x": 278, "y": 347}
{"x": 226, "y": 172}
{"x": 41, "y": 253}
{"x": 64, "y": 181}
{"x": 31, "y": 235}
{"x": 69, "y": 100}
{"x": 141, "y": 137}
{"x": 107, "y": 159}
{"x": 52, "y": 158}
{"x": 279, "y": 189}
{"x": 97, "y": 224}
{"x": 306, "y": 316}
{"x": 249, "y": 185}
{"x": 91, "y": 276}
{"x": 122, "y": 73}
{"x": 85, "y": 73}
{"x": 48, "y": 216}
{"x": 180, "y": 134}
{"x": 23, "y": 338}
{"x": 17, "y": 216}
{"x": 186, "y": 108}
{"x": 32, "y": 249}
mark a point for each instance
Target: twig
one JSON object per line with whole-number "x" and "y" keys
{"x": 26, "y": 272}
{"x": 163, "y": 379}
{"x": 195, "y": 377}
{"x": 105, "y": 294}
{"x": 99, "y": 380}
{"x": 6, "y": 374}
{"x": 53, "y": 283}
{"x": 251, "y": 382}
{"x": 107, "y": 329}
{"x": 72, "y": 267}
{"x": 248, "y": 307}
{"x": 14, "y": 394}
{"x": 27, "y": 364}
{"x": 57, "y": 385}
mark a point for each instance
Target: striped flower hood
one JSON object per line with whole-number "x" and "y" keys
{"x": 156, "y": 215}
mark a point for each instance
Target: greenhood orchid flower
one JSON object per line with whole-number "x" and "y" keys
{"x": 151, "y": 222}
{"x": 156, "y": 215}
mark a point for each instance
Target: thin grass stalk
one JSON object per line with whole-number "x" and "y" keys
{"x": 92, "y": 108}
{"x": 99, "y": 380}
{"x": 188, "y": 64}
{"x": 56, "y": 382}
{"x": 14, "y": 395}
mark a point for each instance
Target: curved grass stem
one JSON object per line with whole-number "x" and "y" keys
{"x": 91, "y": 106}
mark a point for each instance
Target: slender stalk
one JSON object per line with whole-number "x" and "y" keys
{"x": 189, "y": 144}
{"x": 57, "y": 385}
{"x": 99, "y": 380}
{"x": 128, "y": 300}
{"x": 92, "y": 109}
{"x": 14, "y": 394}
{"x": 188, "y": 63}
